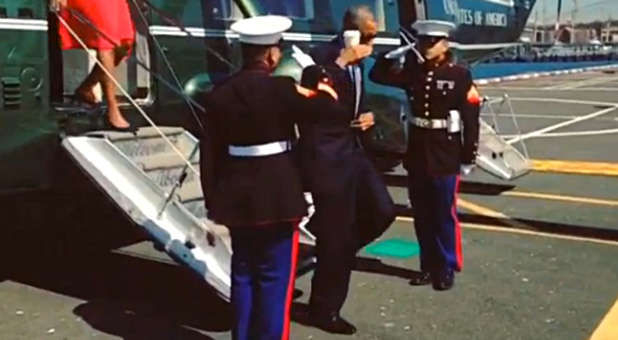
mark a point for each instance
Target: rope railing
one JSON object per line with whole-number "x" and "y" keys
{"x": 192, "y": 103}
{"x": 168, "y": 65}
{"x": 109, "y": 74}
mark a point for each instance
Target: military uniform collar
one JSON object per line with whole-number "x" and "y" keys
{"x": 258, "y": 66}
{"x": 433, "y": 65}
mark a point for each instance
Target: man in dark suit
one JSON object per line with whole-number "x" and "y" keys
{"x": 250, "y": 178}
{"x": 352, "y": 204}
{"x": 442, "y": 143}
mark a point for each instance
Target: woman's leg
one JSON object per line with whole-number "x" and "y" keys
{"x": 109, "y": 61}
{"x": 84, "y": 90}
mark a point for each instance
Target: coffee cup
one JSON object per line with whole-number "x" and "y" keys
{"x": 351, "y": 38}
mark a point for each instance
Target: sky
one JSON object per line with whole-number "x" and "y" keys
{"x": 589, "y": 10}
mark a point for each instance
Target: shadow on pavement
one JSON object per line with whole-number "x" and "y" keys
{"x": 528, "y": 224}
{"x": 466, "y": 187}
{"x": 375, "y": 266}
{"x": 62, "y": 241}
{"x": 126, "y": 295}
{"x": 133, "y": 323}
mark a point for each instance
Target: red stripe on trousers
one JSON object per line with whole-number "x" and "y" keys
{"x": 458, "y": 250}
{"x": 288, "y": 299}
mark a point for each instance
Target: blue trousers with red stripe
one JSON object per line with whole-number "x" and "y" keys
{"x": 434, "y": 199}
{"x": 263, "y": 272}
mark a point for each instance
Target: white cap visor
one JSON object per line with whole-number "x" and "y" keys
{"x": 262, "y": 30}
{"x": 433, "y": 28}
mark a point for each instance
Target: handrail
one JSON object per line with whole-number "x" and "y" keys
{"x": 169, "y": 67}
{"x": 85, "y": 20}
{"x": 182, "y": 28}
{"x": 126, "y": 94}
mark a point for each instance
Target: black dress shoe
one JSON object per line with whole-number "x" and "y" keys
{"x": 423, "y": 278}
{"x": 444, "y": 280}
{"x": 333, "y": 323}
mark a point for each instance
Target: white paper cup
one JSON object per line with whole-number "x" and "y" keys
{"x": 351, "y": 38}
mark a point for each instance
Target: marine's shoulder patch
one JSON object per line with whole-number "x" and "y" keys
{"x": 305, "y": 92}
{"x": 473, "y": 96}
{"x": 328, "y": 89}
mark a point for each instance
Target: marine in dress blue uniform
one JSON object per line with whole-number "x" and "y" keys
{"x": 251, "y": 179}
{"x": 352, "y": 204}
{"x": 442, "y": 143}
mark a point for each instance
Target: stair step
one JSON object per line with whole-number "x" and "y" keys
{"x": 189, "y": 192}
{"x": 166, "y": 178}
{"x": 196, "y": 208}
{"x": 163, "y": 161}
{"x": 144, "y": 132}
{"x": 146, "y": 147}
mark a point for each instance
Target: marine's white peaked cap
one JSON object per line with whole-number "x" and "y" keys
{"x": 433, "y": 28}
{"x": 262, "y": 30}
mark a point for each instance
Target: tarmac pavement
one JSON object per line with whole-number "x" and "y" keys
{"x": 540, "y": 252}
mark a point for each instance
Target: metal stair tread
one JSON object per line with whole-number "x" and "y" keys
{"x": 189, "y": 191}
{"x": 141, "y": 133}
{"x": 162, "y": 161}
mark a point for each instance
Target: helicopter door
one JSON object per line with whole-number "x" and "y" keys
{"x": 410, "y": 11}
{"x": 77, "y": 64}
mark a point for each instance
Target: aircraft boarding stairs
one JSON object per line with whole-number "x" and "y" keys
{"x": 140, "y": 172}
{"x": 497, "y": 156}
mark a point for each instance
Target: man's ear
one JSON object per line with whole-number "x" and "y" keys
{"x": 271, "y": 56}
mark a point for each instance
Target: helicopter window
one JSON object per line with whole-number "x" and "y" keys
{"x": 298, "y": 9}
{"x": 185, "y": 11}
{"x": 3, "y": 12}
{"x": 25, "y": 13}
{"x": 316, "y": 16}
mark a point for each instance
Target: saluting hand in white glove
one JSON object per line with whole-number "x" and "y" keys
{"x": 302, "y": 58}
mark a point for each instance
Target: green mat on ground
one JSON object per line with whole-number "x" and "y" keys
{"x": 394, "y": 247}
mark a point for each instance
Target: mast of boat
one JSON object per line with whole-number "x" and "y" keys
{"x": 535, "y": 27}
{"x": 557, "y": 28}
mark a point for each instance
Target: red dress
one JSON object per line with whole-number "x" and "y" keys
{"x": 109, "y": 16}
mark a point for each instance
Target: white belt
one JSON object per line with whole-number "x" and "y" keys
{"x": 429, "y": 123}
{"x": 452, "y": 124}
{"x": 260, "y": 150}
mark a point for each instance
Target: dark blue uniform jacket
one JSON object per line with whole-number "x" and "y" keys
{"x": 433, "y": 90}
{"x": 252, "y": 108}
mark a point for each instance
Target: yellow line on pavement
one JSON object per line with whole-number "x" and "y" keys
{"x": 515, "y": 227}
{"x": 484, "y": 211}
{"x": 608, "y": 328}
{"x": 573, "y": 199}
{"x": 575, "y": 167}
{"x": 480, "y": 209}
{"x": 512, "y": 230}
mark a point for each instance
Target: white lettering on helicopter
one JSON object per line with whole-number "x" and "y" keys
{"x": 480, "y": 18}
{"x": 470, "y": 17}
{"x": 466, "y": 17}
{"x": 495, "y": 19}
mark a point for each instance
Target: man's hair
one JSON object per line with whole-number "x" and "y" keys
{"x": 353, "y": 15}
{"x": 254, "y": 53}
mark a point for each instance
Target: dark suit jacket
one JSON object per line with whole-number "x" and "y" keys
{"x": 328, "y": 151}
{"x": 348, "y": 191}
{"x": 326, "y": 55}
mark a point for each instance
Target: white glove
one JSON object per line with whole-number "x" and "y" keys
{"x": 401, "y": 52}
{"x": 302, "y": 58}
{"x": 398, "y": 52}
{"x": 466, "y": 169}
